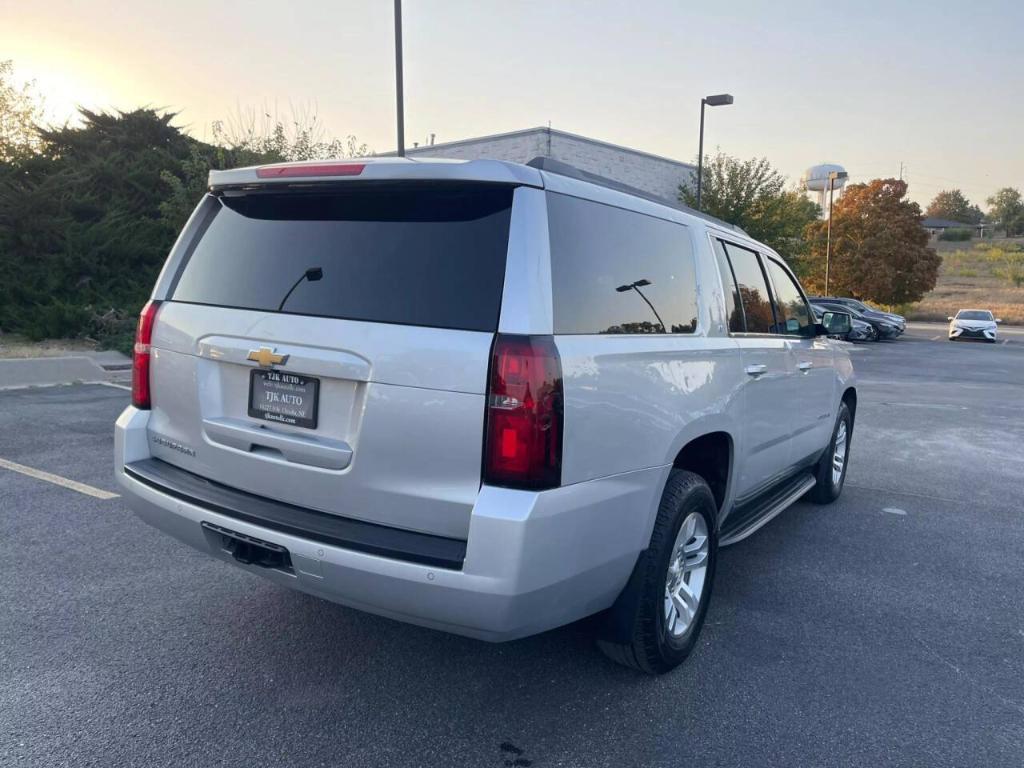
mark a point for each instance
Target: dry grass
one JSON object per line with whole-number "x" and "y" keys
{"x": 13, "y": 345}
{"x": 974, "y": 275}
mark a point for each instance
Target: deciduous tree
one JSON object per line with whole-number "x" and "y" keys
{"x": 880, "y": 250}
{"x": 21, "y": 109}
{"x": 752, "y": 195}
{"x": 1007, "y": 208}
{"x": 951, "y": 204}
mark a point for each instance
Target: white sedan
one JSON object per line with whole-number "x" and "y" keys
{"x": 973, "y": 324}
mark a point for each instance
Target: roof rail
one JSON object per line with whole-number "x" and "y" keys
{"x": 549, "y": 164}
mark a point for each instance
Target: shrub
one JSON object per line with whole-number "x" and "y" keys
{"x": 55, "y": 319}
{"x": 1012, "y": 270}
{"x": 956, "y": 235}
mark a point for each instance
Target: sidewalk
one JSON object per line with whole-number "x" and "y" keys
{"x": 92, "y": 367}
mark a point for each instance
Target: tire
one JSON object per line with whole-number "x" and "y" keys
{"x": 830, "y": 485}
{"x": 651, "y": 633}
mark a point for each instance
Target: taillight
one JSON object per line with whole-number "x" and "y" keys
{"x": 140, "y": 356}
{"x": 523, "y": 441}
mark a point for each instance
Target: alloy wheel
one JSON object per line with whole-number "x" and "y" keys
{"x": 687, "y": 569}
{"x": 839, "y": 454}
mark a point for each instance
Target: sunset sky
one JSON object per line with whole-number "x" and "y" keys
{"x": 937, "y": 86}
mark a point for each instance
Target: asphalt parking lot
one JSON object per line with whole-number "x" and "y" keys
{"x": 887, "y": 629}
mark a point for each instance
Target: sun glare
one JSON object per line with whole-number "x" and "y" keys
{"x": 64, "y": 84}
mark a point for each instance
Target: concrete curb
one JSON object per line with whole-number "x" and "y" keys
{"x": 16, "y": 373}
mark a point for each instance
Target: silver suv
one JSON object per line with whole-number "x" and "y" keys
{"x": 483, "y": 397}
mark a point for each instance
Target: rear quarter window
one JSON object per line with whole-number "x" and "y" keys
{"x": 617, "y": 271}
{"x": 411, "y": 254}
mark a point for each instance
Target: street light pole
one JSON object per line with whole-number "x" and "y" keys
{"x": 833, "y": 175}
{"x": 660, "y": 321}
{"x": 398, "y": 78}
{"x": 717, "y": 100}
{"x": 700, "y": 152}
{"x": 635, "y": 286}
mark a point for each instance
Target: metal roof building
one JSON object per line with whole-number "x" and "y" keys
{"x": 656, "y": 175}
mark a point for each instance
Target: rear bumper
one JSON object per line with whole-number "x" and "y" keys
{"x": 533, "y": 561}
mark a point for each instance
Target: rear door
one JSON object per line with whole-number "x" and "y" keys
{"x": 327, "y": 346}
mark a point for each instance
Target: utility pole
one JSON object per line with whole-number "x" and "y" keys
{"x": 901, "y": 170}
{"x": 398, "y": 78}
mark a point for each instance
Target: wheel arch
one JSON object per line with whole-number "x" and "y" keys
{"x": 712, "y": 456}
{"x": 850, "y": 398}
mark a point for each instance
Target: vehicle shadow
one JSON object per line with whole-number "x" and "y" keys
{"x": 370, "y": 683}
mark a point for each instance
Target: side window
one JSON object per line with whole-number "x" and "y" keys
{"x": 794, "y": 318}
{"x": 617, "y": 271}
{"x": 753, "y": 289}
{"x": 733, "y": 305}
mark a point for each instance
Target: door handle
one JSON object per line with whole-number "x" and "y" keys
{"x": 804, "y": 366}
{"x": 756, "y": 370}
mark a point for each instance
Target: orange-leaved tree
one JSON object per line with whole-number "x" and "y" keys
{"x": 880, "y": 249}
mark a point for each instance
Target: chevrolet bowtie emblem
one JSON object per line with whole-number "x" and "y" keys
{"x": 267, "y": 357}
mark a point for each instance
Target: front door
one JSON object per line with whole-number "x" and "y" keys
{"x": 769, "y": 395}
{"x": 811, "y": 357}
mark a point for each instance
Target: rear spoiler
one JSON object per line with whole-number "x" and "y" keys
{"x": 376, "y": 169}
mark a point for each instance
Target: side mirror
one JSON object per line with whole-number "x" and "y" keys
{"x": 835, "y": 324}
{"x": 949, "y": 319}
{"x": 999, "y": 319}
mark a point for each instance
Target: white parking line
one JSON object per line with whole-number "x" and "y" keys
{"x": 88, "y": 490}
{"x": 112, "y": 384}
{"x": 936, "y": 338}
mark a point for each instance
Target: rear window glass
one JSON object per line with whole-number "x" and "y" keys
{"x": 616, "y": 271}
{"x": 414, "y": 255}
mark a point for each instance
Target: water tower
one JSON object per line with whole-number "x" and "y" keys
{"x": 816, "y": 179}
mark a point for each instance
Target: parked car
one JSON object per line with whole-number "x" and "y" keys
{"x": 484, "y": 397}
{"x": 885, "y": 328}
{"x": 859, "y": 306}
{"x": 859, "y": 330}
{"x": 974, "y": 324}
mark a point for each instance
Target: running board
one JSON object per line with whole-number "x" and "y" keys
{"x": 773, "y": 506}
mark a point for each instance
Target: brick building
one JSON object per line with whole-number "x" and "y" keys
{"x": 652, "y": 173}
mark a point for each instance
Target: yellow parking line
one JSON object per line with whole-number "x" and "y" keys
{"x": 88, "y": 490}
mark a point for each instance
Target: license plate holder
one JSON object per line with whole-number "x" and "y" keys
{"x": 284, "y": 398}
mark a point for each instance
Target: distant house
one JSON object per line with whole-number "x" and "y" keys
{"x": 654, "y": 174}
{"x": 938, "y": 226}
